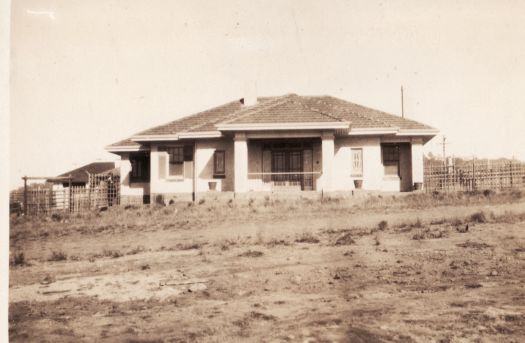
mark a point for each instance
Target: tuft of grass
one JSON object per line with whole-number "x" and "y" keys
{"x": 251, "y": 253}
{"x": 57, "y": 256}
{"x": 307, "y": 237}
{"x": 188, "y": 246}
{"x": 136, "y": 250}
{"x": 383, "y": 225}
{"x": 19, "y": 259}
{"x": 345, "y": 239}
{"x": 479, "y": 217}
{"x": 274, "y": 242}
{"x": 376, "y": 240}
{"x": 455, "y": 221}
{"x": 112, "y": 253}
{"x": 417, "y": 224}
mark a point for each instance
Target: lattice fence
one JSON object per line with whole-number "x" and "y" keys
{"x": 474, "y": 175}
{"x": 101, "y": 191}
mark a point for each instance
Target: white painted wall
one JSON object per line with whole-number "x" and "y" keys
{"x": 204, "y": 153}
{"x": 373, "y": 171}
{"x": 165, "y": 184}
{"x": 249, "y": 158}
{"x": 417, "y": 160}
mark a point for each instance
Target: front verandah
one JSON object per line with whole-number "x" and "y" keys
{"x": 283, "y": 164}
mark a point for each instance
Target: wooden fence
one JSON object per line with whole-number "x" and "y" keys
{"x": 99, "y": 192}
{"x": 473, "y": 175}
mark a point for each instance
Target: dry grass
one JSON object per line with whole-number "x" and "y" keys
{"x": 307, "y": 237}
{"x": 57, "y": 256}
{"x": 251, "y": 253}
{"x": 261, "y": 283}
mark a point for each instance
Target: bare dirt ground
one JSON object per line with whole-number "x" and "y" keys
{"x": 414, "y": 268}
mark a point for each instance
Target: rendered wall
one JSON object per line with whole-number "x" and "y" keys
{"x": 373, "y": 171}
{"x": 202, "y": 161}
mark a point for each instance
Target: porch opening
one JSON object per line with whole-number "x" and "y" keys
{"x": 283, "y": 165}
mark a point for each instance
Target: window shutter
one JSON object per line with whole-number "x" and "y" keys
{"x": 162, "y": 165}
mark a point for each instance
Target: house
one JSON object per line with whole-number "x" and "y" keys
{"x": 290, "y": 142}
{"x": 80, "y": 176}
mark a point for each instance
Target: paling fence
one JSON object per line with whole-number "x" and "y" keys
{"x": 473, "y": 175}
{"x": 99, "y": 192}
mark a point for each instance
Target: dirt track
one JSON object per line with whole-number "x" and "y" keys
{"x": 329, "y": 274}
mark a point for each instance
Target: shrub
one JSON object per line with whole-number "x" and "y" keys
{"x": 383, "y": 224}
{"x": 57, "y": 256}
{"x": 56, "y": 217}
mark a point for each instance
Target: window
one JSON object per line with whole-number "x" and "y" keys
{"x": 177, "y": 156}
{"x": 219, "y": 169}
{"x": 391, "y": 159}
{"x": 139, "y": 167}
{"x": 357, "y": 162}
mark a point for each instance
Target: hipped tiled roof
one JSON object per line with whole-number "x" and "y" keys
{"x": 289, "y": 108}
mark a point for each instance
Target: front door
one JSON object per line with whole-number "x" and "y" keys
{"x": 284, "y": 164}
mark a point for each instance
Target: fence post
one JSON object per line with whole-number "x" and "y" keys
{"x": 473, "y": 174}
{"x": 510, "y": 173}
{"x": 90, "y": 181}
{"x": 70, "y": 193}
{"x": 25, "y": 195}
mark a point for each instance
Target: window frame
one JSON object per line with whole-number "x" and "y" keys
{"x": 353, "y": 172}
{"x": 395, "y": 161}
{"x": 177, "y": 155}
{"x": 217, "y": 173}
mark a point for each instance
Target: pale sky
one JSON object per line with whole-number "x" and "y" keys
{"x": 85, "y": 74}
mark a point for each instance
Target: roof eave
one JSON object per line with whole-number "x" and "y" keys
{"x": 125, "y": 148}
{"x": 418, "y": 132}
{"x": 373, "y": 131}
{"x": 283, "y": 126}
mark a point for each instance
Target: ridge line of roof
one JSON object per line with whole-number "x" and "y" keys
{"x": 329, "y": 115}
{"x": 252, "y": 110}
{"x": 355, "y": 113}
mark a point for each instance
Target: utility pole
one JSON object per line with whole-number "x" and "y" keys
{"x": 402, "y": 104}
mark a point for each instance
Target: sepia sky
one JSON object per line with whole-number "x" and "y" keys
{"x": 85, "y": 74}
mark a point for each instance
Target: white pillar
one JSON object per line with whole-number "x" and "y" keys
{"x": 154, "y": 170}
{"x": 240, "y": 147}
{"x": 417, "y": 160}
{"x": 327, "y": 148}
